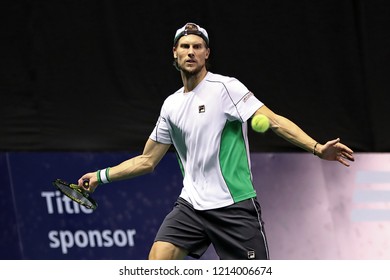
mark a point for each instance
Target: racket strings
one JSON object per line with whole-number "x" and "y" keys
{"x": 75, "y": 194}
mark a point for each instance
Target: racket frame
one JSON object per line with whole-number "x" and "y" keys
{"x": 84, "y": 193}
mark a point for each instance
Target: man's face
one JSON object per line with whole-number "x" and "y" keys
{"x": 191, "y": 54}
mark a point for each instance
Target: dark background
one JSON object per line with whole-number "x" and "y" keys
{"x": 91, "y": 75}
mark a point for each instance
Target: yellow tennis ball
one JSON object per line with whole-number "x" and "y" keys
{"x": 260, "y": 123}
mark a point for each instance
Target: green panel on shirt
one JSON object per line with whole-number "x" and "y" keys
{"x": 234, "y": 162}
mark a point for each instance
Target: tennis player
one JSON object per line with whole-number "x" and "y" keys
{"x": 206, "y": 121}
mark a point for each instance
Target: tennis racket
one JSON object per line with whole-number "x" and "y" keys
{"x": 76, "y": 193}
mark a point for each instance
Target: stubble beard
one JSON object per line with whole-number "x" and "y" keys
{"x": 190, "y": 73}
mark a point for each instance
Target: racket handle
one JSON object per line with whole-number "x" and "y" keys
{"x": 84, "y": 190}
{"x": 86, "y": 184}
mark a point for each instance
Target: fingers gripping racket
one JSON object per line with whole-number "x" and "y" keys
{"x": 76, "y": 193}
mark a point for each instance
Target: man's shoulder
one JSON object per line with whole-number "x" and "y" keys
{"x": 212, "y": 77}
{"x": 217, "y": 77}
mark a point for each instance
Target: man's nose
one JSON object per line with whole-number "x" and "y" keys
{"x": 191, "y": 51}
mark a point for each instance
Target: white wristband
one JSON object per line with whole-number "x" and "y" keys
{"x": 104, "y": 175}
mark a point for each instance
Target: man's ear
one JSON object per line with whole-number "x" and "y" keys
{"x": 174, "y": 52}
{"x": 208, "y": 53}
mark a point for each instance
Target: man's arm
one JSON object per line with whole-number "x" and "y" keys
{"x": 332, "y": 150}
{"x": 133, "y": 167}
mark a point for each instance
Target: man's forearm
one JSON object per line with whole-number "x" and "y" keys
{"x": 291, "y": 132}
{"x": 130, "y": 168}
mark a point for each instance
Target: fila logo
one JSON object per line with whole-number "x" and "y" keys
{"x": 202, "y": 109}
{"x": 251, "y": 255}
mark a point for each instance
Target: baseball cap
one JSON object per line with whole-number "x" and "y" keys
{"x": 191, "y": 28}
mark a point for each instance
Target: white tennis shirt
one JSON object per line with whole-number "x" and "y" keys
{"x": 208, "y": 128}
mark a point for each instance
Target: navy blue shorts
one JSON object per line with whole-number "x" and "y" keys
{"x": 236, "y": 231}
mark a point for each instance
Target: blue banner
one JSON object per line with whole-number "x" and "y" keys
{"x": 312, "y": 208}
{"x": 51, "y": 226}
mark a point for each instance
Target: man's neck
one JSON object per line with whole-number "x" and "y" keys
{"x": 190, "y": 81}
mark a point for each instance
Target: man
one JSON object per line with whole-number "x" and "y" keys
{"x": 206, "y": 121}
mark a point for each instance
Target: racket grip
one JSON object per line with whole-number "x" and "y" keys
{"x": 86, "y": 184}
{"x": 85, "y": 187}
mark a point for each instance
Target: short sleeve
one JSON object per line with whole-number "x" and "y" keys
{"x": 240, "y": 103}
{"x": 160, "y": 132}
